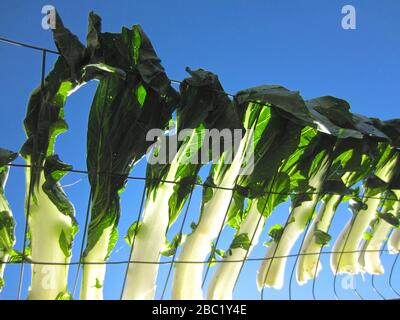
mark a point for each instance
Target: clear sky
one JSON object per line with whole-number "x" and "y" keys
{"x": 298, "y": 44}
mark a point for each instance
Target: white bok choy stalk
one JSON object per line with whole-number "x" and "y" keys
{"x": 265, "y": 189}
{"x": 394, "y": 242}
{"x": 202, "y": 106}
{"x": 134, "y": 95}
{"x": 255, "y": 115}
{"x": 51, "y": 222}
{"x": 380, "y": 227}
{"x": 353, "y": 161}
{"x": 387, "y": 220}
{"x": 334, "y": 120}
{"x": 7, "y": 222}
{"x": 345, "y": 256}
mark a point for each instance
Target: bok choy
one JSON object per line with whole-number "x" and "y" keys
{"x": 134, "y": 95}
{"x": 202, "y": 107}
{"x": 217, "y": 194}
{"x": 7, "y": 222}
{"x": 265, "y": 189}
{"x": 51, "y": 220}
{"x": 345, "y": 258}
{"x": 334, "y": 120}
{"x": 353, "y": 161}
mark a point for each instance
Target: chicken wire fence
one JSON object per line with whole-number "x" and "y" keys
{"x": 368, "y": 286}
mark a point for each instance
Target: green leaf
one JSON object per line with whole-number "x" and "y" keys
{"x": 336, "y": 187}
{"x": 65, "y": 244}
{"x": 122, "y": 108}
{"x": 241, "y": 241}
{"x": 367, "y": 235}
{"x": 333, "y": 117}
{"x": 7, "y": 229}
{"x": 17, "y": 257}
{"x": 171, "y": 247}
{"x": 98, "y": 284}
{"x": 7, "y": 156}
{"x": 132, "y": 231}
{"x": 7, "y": 222}
{"x": 236, "y": 212}
{"x": 68, "y": 44}
{"x": 391, "y": 219}
{"x": 64, "y": 296}
{"x": 215, "y": 253}
{"x": 289, "y": 103}
{"x": 275, "y": 232}
{"x": 322, "y": 238}
{"x": 54, "y": 170}
{"x": 193, "y": 226}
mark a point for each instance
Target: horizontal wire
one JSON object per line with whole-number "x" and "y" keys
{"x": 28, "y": 261}
{"x": 30, "y": 46}
{"x": 27, "y": 45}
{"x": 190, "y": 183}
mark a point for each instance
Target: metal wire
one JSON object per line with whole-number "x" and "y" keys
{"x": 256, "y": 228}
{"x": 27, "y": 45}
{"x": 225, "y": 216}
{"x": 176, "y": 250}
{"x": 50, "y": 263}
{"x": 79, "y": 263}
{"x": 83, "y": 242}
{"x": 28, "y": 210}
{"x": 184, "y": 182}
{"x": 391, "y": 276}
{"x": 133, "y": 240}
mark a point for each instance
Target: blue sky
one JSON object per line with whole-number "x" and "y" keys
{"x": 298, "y": 44}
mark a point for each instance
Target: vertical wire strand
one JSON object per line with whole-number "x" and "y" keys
{"x": 319, "y": 259}
{"x": 256, "y": 228}
{"x": 30, "y": 196}
{"x": 180, "y": 232}
{"x": 373, "y": 278}
{"x": 139, "y": 215}
{"x": 297, "y": 256}
{"x": 21, "y": 270}
{"x": 318, "y": 194}
{"x": 28, "y": 209}
{"x": 380, "y": 256}
{"x": 82, "y": 243}
{"x": 216, "y": 241}
{"x": 341, "y": 254}
{"x": 391, "y": 275}
{"x": 230, "y": 202}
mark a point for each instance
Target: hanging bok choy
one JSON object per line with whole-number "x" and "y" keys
{"x": 265, "y": 188}
{"x": 335, "y": 122}
{"x": 203, "y": 106}
{"x": 51, "y": 221}
{"x": 353, "y": 161}
{"x": 345, "y": 256}
{"x": 387, "y": 218}
{"x": 134, "y": 95}
{"x": 7, "y": 222}
{"x": 217, "y": 194}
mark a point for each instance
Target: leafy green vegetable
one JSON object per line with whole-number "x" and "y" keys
{"x": 45, "y": 200}
{"x": 202, "y": 106}
{"x": 241, "y": 241}
{"x": 118, "y": 125}
{"x": 7, "y": 222}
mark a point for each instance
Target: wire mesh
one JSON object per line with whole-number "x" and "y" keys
{"x": 80, "y": 262}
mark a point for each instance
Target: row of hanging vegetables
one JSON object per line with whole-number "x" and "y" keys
{"x": 311, "y": 151}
